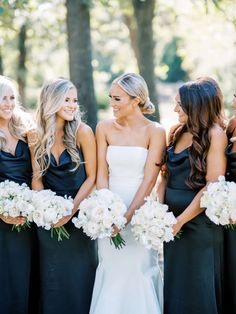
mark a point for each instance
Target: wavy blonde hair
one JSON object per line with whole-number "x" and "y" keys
{"x": 135, "y": 86}
{"x": 51, "y": 99}
{"x": 20, "y": 120}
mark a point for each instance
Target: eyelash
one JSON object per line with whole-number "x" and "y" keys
{"x": 115, "y": 98}
{"x": 75, "y": 100}
{"x": 12, "y": 98}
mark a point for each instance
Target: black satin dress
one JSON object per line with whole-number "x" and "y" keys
{"x": 193, "y": 264}
{"x": 230, "y": 245}
{"x": 16, "y": 248}
{"x": 67, "y": 268}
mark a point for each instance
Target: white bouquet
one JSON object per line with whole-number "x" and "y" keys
{"x": 49, "y": 209}
{"x": 152, "y": 224}
{"x": 99, "y": 213}
{"x": 15, "y": 200}
{"x": 220, "y": 201}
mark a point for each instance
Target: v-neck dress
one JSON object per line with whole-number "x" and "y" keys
{"x": 67, "y": 268}
{"x": 16, "y": 248}
{"x": 193, "y": 264}
{"x": 230, "y": 244}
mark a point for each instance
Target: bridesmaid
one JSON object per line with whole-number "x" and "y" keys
{"x": 195, "y": 156}
{"x": 64, "y": 160}
{"x": 15, "y": 165}
{"x": 230, "y": 235}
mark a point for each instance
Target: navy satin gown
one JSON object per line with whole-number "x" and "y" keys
{"x": 230, "y": 244}
{"x": 16, "y": 249}
{"x": 193, "y": 264}
{"x": 67, "y": 268}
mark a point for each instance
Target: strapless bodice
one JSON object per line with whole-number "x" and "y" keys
{"x": 126, "y": 169}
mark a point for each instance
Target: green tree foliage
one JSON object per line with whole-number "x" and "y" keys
{"x": 173, "y": 62}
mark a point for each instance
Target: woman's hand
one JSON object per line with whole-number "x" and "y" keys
{"x": 62, "y": 221}
{"x": 177, "y": 227}
{"x": 65, "y": 219}
{"x": 116, "y": 230}
{"x": 164, "y": 170}
{"x": 128, "y": 217}
{"x": 13, "y": 221}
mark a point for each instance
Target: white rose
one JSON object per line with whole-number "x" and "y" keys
{"x": 92, "y": 229}
{"x": 50, "y": 216}
{"x": 38, "y": 218}
{"x": 14, "y": 212}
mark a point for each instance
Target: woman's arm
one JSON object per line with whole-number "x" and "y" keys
{"x": 157, "y": 147}
{"x": 161, "y": 187}
{"x": 216, "y": 166}
{"x": 102, "y": 173}
{"x": 86, "y": 142}
{"x": 37, "y": 183}
{"x": 13, "y": 221}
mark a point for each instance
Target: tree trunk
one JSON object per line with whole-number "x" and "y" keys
{"x": 144, "y": 13}
{"x": 131, "y": 25}
{"x": 21, "y": 71}
{"x": 80, "y": 57}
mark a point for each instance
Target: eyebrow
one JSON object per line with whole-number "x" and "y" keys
{"x": 113, "y": 95}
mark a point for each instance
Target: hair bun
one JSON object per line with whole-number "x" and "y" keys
{"x": 148, "y": 107}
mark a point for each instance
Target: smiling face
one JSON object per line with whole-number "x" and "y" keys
{"x": 121, "y": 103}
{"x": 7, "y": 103}
{"x": 69, "y": 107}
{"x": 183, "y": 117}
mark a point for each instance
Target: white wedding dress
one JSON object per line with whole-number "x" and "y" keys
{"x": 128, "y": 281}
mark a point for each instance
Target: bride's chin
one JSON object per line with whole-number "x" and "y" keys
{"x": 115, "y": 114}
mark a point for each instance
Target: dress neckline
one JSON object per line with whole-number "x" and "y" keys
{"x": 15, "y": 152}
{"x": 182, "y": 151}
{"x": 228, "y": 151}
{"x": 58, "y": 163}
{"x": 127, "y": 146}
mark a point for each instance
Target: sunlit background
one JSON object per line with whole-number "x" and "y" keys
{"x": 191, "y": 38}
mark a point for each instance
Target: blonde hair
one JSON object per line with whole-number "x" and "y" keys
{"x": 135, "y": 86}
{"x": 51, "y": 99}
{"x": 19, "y": 122}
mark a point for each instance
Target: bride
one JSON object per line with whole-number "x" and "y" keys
{"x": 130, "y": 149}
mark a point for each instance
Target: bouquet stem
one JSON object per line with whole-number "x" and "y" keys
{"x": 61, "y": 233}
{"x": 118, "y": 241}
{"x": 179, "y": 234}
{"x": 22, "y": 227}
{"x": 230, "y": 226}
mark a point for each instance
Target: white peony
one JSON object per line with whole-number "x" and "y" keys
{"x": 219, "y": 200}
{"x": 99, "y": 212}
{"x": 152, "y": 224}
{"x": 49, "y": 209}
{"x": 16, "y": 200}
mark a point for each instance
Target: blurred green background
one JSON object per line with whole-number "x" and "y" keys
{"x": 93, "y": 41}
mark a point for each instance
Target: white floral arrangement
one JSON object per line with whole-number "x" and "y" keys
{"x": 99, "y": 213}
{"x": 152, "y": 224}
{"x": 49, "y": 209}
{"x": 220, "y": 201}
{"x": 16, "y": 200}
